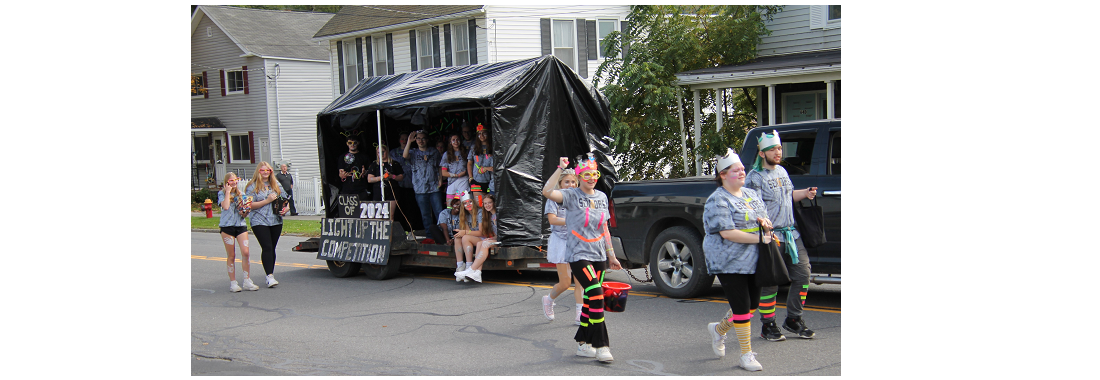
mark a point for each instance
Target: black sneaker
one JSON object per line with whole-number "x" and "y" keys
{"x": 771, "y": 332}
{"x": 797, "y": 326}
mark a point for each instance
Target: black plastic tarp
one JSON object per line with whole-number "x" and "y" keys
{"x": 537, "y": 110}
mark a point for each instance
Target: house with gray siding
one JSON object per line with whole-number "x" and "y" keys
{"x": 257, "y": 84}
{"x": 375, "y": 40}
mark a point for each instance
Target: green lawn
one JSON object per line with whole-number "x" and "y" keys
{"x": 290, "y": 227}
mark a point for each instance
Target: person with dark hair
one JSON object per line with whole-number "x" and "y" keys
{"x": 734, "y": 218}
{"x": 353, "y": 171}
{"x": 589, "y": 250}
{"x": 425, "y": 172}
{"x": 479, "y": 164}
{"x": 391, "y": 172}
{"x": 453, "y": 166}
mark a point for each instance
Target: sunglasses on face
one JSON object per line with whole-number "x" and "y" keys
{"x": 265, "y": 170}
{"x": 350, "y": 143}
{"x": 590, "y": 175}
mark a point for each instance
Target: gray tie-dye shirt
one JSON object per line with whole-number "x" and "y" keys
{"x": 230, "y": 217}
{"x": 776, "y": 190}
{"x": 263, "y": 216}
{"x": 585, "y": 218}
{"x": 425, "y": 170}
{"x": 725, "y": 211}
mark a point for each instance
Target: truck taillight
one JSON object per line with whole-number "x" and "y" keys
{"x": 611, "y": 209}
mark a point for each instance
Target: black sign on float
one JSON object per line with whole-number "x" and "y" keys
{"x": 361, "y": 235}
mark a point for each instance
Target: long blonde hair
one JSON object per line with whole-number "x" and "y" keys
{"x": 257, "y": 179}
{"x": 236, "y": 190}
{"x": 486, "y": 225}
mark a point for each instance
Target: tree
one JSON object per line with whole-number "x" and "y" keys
{"x": 641, "y": 85}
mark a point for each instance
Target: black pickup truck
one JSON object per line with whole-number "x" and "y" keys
{"x": 659, "y": 223}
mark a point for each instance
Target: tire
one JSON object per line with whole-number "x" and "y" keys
{"x": 677, "y": 263}
{"x": 383, "y": 272}
{"x": 343, "y": 269}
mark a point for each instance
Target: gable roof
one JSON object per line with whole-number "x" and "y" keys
{"x": 354, "y": 18}
{"x": 269, "y": 34}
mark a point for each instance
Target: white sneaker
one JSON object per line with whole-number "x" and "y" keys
{"x": 460, "y": 274}
{"x": 474, "y": 274}
{"x": 586, "y": 350}
{"x": 603, "y": 354}
{"x": 233, "y": 287}
{"x": 248, "y": 285}
{"x": 718, "y": 341}
{"x": 271, "y": 281}
{"x": 748, "y": 362}
{"x": 548, "y": 307}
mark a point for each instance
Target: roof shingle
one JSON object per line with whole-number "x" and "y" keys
{"x": 272, "y": 33}
{"x": 353, "y": 18}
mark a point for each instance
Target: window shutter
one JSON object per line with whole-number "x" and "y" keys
{"x": 818, "y": 14}
{"x": 221, "y": 77}
{"x": 447, "y": 43}
{"x": 340, "y": 63}
{"x": 435, "y": 46}
{"x": 228, "y": 146}
{"x": 244, "y": 73}
{"x": 389, "y": 50}
{"x": 359, "y": 59}
{"x": 472, "y": 23}
{"x": 582, "y": 48}
{"x": 624, "y": 28}
{"x": 544, "y": 26}
{"x": 251, "y": 148}
{"x": 206, "y": 88}
{"x": 370, "y": 56}
{"x": 412, "y": 44}
{"x": 593, "y": 45}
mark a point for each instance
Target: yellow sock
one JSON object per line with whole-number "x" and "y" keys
{"x": 725, "y": 324}
{"x": 744, "y": 333}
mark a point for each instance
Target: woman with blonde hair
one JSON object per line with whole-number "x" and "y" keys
{"x": 468, "y": 225}
{"x": 234, "y": 209}
{"x": 488, "y": 237}
{"x": 267, "y": 223}
{"x": 556, "y": 252}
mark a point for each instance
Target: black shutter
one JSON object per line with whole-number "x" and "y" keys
{"x": 389, "y": 50}
{"x": 358, "y": 59}
{"x": 447, "y": 43}
{"x": 340, "y": 63}
{"x": 582, "y": 48}
{"x": 472, "y": 23}
{"x": 370, "y": 56}
{"x": 593, "y": 45}
{"x": 221, "y": 78}
{"x": 544, "y": 26}
{"x": 244, "y": 75}
{"x": 251, "y": 148}
{"x": 412, "y": 44}
{"x": 624, "y": 28}
{"x": 435, "y": 47}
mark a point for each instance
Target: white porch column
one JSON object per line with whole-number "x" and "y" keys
{"x": 698, "y": 132}
{"x": 720, "y": 97}
{"x": 683, "y": 132}
{"x": 771, "y": 104}
{"x": 831, "y": 107}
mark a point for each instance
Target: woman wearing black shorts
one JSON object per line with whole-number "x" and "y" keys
{"x": 234, "y": 208}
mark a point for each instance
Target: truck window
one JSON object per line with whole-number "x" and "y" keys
{"x": 834, "y": 152}
{"x": 798, "y": 149}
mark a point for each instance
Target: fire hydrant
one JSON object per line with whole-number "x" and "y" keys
{"x": 209, "y": 207}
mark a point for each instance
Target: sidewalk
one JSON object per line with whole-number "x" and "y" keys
{"x": 288, "y": 217}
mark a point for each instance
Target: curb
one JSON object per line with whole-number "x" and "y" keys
{"x": 249, "y": 231}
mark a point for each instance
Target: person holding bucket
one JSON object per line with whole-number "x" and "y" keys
{"x": 588, "y": 245}
{"x": 769, "y": 179}
{"x": 733, "y": 219}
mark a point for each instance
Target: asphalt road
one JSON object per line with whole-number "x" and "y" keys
{"x": 423, "y": 323}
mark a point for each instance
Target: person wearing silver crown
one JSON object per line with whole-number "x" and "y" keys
{"x": 589, "y": 252}
{"x": 735, "y": 219}
{"x": 771, "y": 181}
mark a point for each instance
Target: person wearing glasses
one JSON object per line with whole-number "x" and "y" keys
{"x": 479, "y": 163}
{"x": 233, "y": 231}
{"x": 424, "y": 162}
{"x": 353, "y": 171}
{"x": 267, "y": 224}
{"x": 588, "y": 247}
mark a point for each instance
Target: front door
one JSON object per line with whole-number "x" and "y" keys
{"x": 219, "y": 160}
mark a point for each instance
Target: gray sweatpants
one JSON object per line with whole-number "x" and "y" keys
{"x": 800, "y": 279}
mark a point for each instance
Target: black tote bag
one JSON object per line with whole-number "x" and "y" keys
{"x": 811, "y": 223}
{"x": 770, "y": 269}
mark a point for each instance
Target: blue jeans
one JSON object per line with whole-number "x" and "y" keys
{"x": 430, "y": 206}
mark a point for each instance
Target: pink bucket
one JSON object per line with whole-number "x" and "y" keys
{"x": 614, "y": 296}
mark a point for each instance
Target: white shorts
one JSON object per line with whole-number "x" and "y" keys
{"x": 457, "y": 186}
{"x": 555, "y": 250}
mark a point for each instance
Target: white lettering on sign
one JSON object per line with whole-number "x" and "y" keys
{"x": 378, "y": 210}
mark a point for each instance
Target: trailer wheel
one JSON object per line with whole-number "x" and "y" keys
{"x": 677, "y": 263}
{"x": 383, "y": 272}
{"x": 343, "y": 269}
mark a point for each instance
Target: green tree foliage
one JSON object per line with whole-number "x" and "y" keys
{"x": 296, "y": 8}
{"x": 664, "y": 40}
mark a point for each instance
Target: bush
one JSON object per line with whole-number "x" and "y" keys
{"x": 200, "y": 196}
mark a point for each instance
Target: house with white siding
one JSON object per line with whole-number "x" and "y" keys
{"x": 796, "y": 75}
{"x": 376, "y": 40}
{"x": 257, "y": 84}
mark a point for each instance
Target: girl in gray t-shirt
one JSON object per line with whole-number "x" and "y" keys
{"x": 233, "y": 230}
{"x": 556, "y": 251}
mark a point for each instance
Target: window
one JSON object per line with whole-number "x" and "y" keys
{"x": 202, "y": 148}
{"x": 798, "y": 149}
{"x": 834, "y": 152}
{"x": 198, "y": 85}
{"x": 351, "y": 76}
{"x": 461, "y": 35}
{"x": 234, "y": 81}
{"x": 834, "y": 12}
{"x": 424, "y": 47}
{"x": 604, "y": 28}
{"x": 239, "y": 148}
{"x": 564, "y": 42}
{"x": 381, "y": 56}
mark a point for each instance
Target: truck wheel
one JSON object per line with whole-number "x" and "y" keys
{"x": 342, "y": 269}
{"x": 677, "y": 262}
{"x": 383, "y": 272}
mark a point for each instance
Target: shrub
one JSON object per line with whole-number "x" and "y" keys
{"x": 200, "y": 196}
